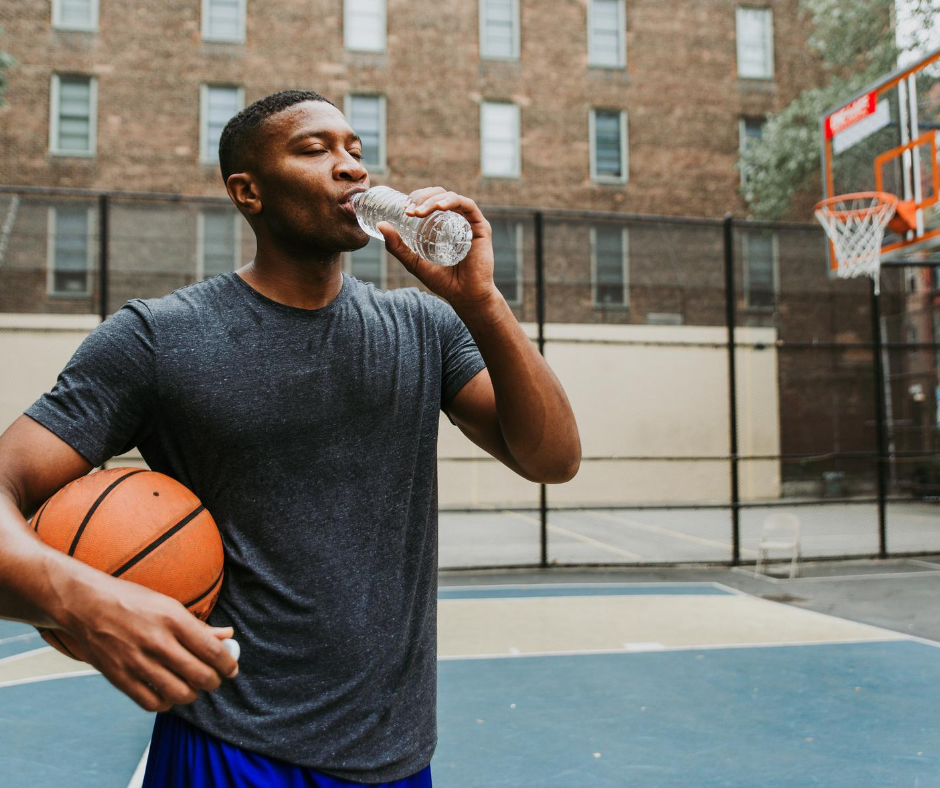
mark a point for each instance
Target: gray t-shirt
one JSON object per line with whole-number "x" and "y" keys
{"x": 311, "y": 438}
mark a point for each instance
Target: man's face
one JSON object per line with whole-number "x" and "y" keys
{"x": 311, "y": 165}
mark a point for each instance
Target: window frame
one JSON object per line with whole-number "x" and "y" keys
{"x": 242, "y": 25}
{"x": 775, "y": 270}
{"x": 621, "y": 37}
{"x": 54, "y": 105}
{"x": 517, "y": 230}
{"x": 624, "y": 176}
{"x": 768, "y": 43}
{"x": 742, "y": 139}
{"x": 58, "y": 24}
{"x": 625, "y": 255}
{"x": 51, "y": 292}
{"x": 384, "y": 28}
{"x": 383, "y": 264}
{"x": 201, "y": 242}
{"x": 517, "y": 170}
{"x": 204, "y": 88}
{"x": 516, "y": 33}
{"x": 382, "y": 166}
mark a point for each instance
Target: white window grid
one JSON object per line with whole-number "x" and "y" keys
{"x": 349, "y": 108}
{"x": 223, "y": 21}
{"x": 606, "y": 29}
{"x": 211, "y": 110}
{"x": 75, "y": 15}
{"x": 515, "y": 233}
{"x": 499, "y": 140}
{"x": 499, "y": 29}
{"x": 204, "y": 242}
{"x": 364, "y": 25}
{"x": 754, "y": 32}
{"x": 52, "y": 246}
{"x": 625, "y": 268}
{"x": 623, "y": 177}
{"x": 68, "y": 112}
{"x": 747, "y": 251}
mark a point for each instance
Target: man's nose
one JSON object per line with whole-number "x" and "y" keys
{"x": 351, "y": 169}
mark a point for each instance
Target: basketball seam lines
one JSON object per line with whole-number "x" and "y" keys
{"x": 59, "y": 641}
{"x": 159, "y": 541}
{"x": 93, "y": 509}
{"x": 206, "y": 593}
{"x": 39, "y": 516}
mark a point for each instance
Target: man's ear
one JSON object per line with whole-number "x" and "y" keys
{"x": 244, "y": 192}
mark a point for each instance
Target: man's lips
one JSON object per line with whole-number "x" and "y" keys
{"x": 346, "y": 203}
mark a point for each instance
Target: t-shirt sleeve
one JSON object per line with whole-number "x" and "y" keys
{"x": 460, "y": 357}
{"x": 103, "y": 401}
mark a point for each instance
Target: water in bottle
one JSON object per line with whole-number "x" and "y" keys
{"x": 442, "y": 238}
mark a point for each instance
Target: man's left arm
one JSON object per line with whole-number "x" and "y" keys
{"x": 515, "y": 409}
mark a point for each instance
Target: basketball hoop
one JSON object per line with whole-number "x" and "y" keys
{"x": 855, "y": 223}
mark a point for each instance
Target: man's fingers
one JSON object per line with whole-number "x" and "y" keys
{"x": 203, "y": 642}
{"x": 419, "y": 196}
{"x": 395, "y": 244}
{"x": 169, "y": 687}
{"x": 138, "y": 691}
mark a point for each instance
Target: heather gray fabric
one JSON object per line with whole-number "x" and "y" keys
{"x": 311, "y": 437}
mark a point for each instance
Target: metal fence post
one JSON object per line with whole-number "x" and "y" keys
{"x": 879, "y": 420}
{"x": 103, "y": 242}
{"x": 540, "y": 321}
{"x": 732, "y": 390}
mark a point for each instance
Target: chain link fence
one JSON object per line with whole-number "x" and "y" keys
{"x": 826, "y": 408}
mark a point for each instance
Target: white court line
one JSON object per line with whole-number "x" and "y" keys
{"x": 833, "y": 579}
{"x": 920, "y": 562}
{"x": 588, "y": 584}
{"x": 15, "y": 638}
{"x": 50, "y": 677}
{"x": 24, "y": 654}
{"x": 138, "y": 779}
{"x": 669, "y": 532}
{"x": 898, "y": 637}
{"x": 579, "y": 537}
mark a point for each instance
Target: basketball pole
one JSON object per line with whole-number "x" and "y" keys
{"x": 879, "y": 416}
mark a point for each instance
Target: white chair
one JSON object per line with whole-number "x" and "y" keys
{"x": 780, "y": 532}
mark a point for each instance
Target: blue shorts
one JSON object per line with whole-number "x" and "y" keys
{"x": 182, "y": 756}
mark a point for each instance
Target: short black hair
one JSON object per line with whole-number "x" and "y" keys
{"x": 240, "y": 131}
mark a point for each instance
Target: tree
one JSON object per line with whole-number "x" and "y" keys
{"x": 5, "y": 62}
{"x": 857, "y": 43}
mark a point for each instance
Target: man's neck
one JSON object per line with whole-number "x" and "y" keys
{"x": 308, "y": 284}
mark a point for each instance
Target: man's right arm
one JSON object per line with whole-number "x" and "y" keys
{"x": 145, "y": 643}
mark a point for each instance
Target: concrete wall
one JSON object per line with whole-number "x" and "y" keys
{"x": 637, "y": 391}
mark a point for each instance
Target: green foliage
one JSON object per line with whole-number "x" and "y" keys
{"x": 856, "y": 41}
{"x": 5, "y": 62}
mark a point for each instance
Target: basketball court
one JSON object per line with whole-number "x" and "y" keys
{"x": 561, "y": 684}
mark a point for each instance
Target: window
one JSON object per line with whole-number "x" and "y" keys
{"x": 499, "y": 29}
{"x": 760, "y": 270}
{"x": 70, "y": 247}
{"x": 750, "y": 130}
{"x": 75, "y": 14}
{"x": 219, "y": 105}
{"x": 368, "y": 264}
{"x": 607, "y": 46}
{"x": 364, "y": 25}
{"x": 608, "y": 146}
{"x": 755, "y": 37}
{"x": 500, "y": 144}
{"x": 507, "y": 253}
{"x": 73, "y": 123}
{"x": 218, "y": 241}
{"x": 223, "y": 20}
{"x": 366, "y": 115}
{"x": 609, "y": 266}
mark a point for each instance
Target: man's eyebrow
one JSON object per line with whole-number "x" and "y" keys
{"x": 301, "y": 135}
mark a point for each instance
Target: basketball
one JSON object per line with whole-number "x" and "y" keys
{"x": 137, "y": 525}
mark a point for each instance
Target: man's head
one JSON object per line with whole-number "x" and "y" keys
{"x": 290, "y": 161}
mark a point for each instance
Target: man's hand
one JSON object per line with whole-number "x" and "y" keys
{"x": 469, "y": 284}
{"x": 145, "y": 643}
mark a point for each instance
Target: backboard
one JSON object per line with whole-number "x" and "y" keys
{"x": 886, "y": 139}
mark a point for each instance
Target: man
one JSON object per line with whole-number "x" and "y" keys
{"x": 301, "y": 406}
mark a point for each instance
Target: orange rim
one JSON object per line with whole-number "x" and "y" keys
{"x": 883, "y": 198}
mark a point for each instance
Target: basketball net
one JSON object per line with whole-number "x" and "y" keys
{"x": 855, "y": 223}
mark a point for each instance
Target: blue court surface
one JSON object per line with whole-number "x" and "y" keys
{"x": 569, "y": 685}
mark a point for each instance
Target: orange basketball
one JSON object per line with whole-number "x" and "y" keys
{"x": 140, "y": 526}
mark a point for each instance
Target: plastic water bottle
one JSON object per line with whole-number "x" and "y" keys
{"x": 442, "y": 238}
